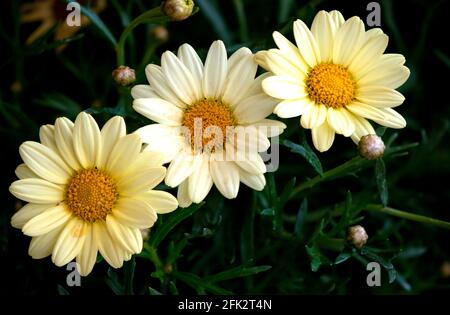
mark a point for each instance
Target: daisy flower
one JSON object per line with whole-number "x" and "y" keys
{"x": 88, "y": 190}
{"x": 186, "y": 98}
{"x": 50, "y": 12}
{"x": 336, "y": 78}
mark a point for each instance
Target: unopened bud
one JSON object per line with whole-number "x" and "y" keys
{"x": 124, "y": 75}
{"x": 371, "y": 147}
{"x": 445, "y": 269}
{"x": 16, "y": 87}
{"x": 160, "y": 33}
{"x": 357, "y": 236}
{"x": 145, "y": 234}
{"x": 177, "y": 10}
{"x": 168, "y": 268}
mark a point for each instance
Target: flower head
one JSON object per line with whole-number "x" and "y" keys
{"x": 88, "y": 190}
{"x": 124, "y": 75}
{"x": 178, "y": 10}
{"x": 357, "y": 236}
{"x": 210, "y": 120}
{"x": 336, "y": 78}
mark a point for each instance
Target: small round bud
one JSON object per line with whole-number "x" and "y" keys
{"x": 124, "y": 75}
{"x": 445, "y": 269}
{"x": 16, "y": 87}
{"x": 145, "y": 234}
{"x": 371, "y": 147}
{"x": 160, "y": 33}
{"x": 357, "y": 236}
{"x": 177, "y": 10}
{"x": 168, "y": 268}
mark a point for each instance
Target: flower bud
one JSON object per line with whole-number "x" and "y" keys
{"x": 371, "y": 147}
{"x": 160, "y": 33}
{"x": 124, "y": 75}
{"x": 145, "y": 234}
{"x": 445, "y": 269}
{"x": 357, "y": 236}
{"x": 168, "y": 268}
{"x": 177, "y": 10}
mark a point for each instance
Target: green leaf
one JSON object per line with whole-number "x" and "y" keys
{"x": 300, "y": 220}
{"x": 442, "y": 57}
{"x": 284, "y": 8}
{"x": 61, "y": 103}
{"x": 113, "y": 282}
{"x": 173, "y": 288}
{"x": 171, "y": 222}
{"x": 130, "y": 266}
{"x": 62, "y": 290}
{"x": 152, "y": 291}
{"x": 198, "y": 283}
{"x": 212, "y": 13}
{"x": 380, "y": 174}
{"x": 99, "y": 24}
{"x": 305, "y": 151}
{"x": 342, "y": 257}
{"x": 315, "y": 257}
{"x": 237, "y": 272}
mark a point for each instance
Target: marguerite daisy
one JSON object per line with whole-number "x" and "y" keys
{"x": 336, "y": 78}
{"x": 88, "y": 190}
{"x": 219, "y": 98}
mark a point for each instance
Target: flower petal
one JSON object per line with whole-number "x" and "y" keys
{"x": 23, "y": 171}
{"x": 323, "y": 137}
{"x": 372, "y": 50}
{"x": 240, "y": 77}
{"x": 70, "y": 242}
{"x": 86, "y": 140}
{"x": 314, "y": 117}
{"x": 362, "y": 128}
{"x": 292, "y": 108}
{"x": 159, "y": 84}
{"x": 48, "y": 220}
{"x": 192, "y": 61}
{"x": 180, "y": 168}
{"x": 254, "y": 181}
{"x": 145, "y": 178}
{"x": 289, "y": 49}
{"x": 379, "y": 96}
{"x": 124, "y": 235}
{"x": 341, "y": 121}
{"x": 47, "y": 136}
{"x": 323, "y": 30}
{"x": 113, "y": 253}
{"x": 200, "y": 181}
{"x": 254, "y": 108}
{"x": 306, "y": 43}
{"x": 87, "y": 256}
{"x": 169, "y": 152}
{"x": 225, "y": 176}
{"x": 348, "y": 41}
{"x": 27, "y": 212}
{"x": 37, "y": 190}
{"x": 160, "y": 201}
{"x": 183, "y": 194}
{"x": 45, "y": 162}
{"x": 42, "y": 246}
{"x": 124, "y": 152}
{"x": 112, "y": 131}
{"x": 392, "y": 77}
{"x": 391, "y": 119}
{"x": 64, "y": 142}
{"x": 143, "y": 91}
{"x": 283, "y": 64}
{"x": 366, "y": 111}
{"x": 215, "y": 71}
{"x": 134, "y": 213}
{"x": 284, "y": 87}
{"x": 270, "y": 127}
{"x": 159, "y": 111}
{"x": 180, "y": 78}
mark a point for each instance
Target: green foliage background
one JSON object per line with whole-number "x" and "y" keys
{"x": 273, "y": 241}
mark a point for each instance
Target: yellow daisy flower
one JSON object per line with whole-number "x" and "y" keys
{"x": 50, "y": 12}
{"x": 223, "y": 93}
{"x": 336, "y": 78}
{"x": 88, "y": 190}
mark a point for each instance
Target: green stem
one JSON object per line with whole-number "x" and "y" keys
{"x": 409, "y": 216}
{"x": 152, "y": 16}
{"x": 152, "y": 255}
{"x": 243, "y": 29}
{"x": 334, "y": 244}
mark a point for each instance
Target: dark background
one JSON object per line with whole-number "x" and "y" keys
{"x": 225, "y": 234}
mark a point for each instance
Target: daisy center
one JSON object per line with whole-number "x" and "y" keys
{"x": 207, "y": 122}
{"x": 331, "y": 85}
{"x": 91, "y": 195}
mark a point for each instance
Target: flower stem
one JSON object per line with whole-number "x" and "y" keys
{"x": 152, "y": 16}
{"x": 409, "y": 216}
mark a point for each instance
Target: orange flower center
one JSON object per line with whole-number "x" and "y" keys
{"x": 208, "y": 123}
{"x": 331, "y": 85}
{"x": 91, "y": 195}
